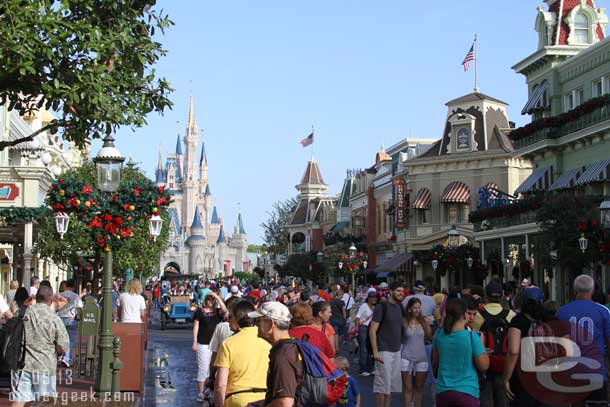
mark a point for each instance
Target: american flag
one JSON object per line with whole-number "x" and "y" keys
{"x": 469, "y": 57}
{"x": 307, "y": 140}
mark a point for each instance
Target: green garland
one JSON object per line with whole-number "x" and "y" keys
{"x": 111, "y": 219}
{"x": 14, "y": 214}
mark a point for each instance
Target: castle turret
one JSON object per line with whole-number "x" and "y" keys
{"x": 159, "y": 172}
{"x": 179, "y": 157}
{"x": 196, "y": 243}
{"x": 214, "y": 227}
{"x": 239, "y": 243}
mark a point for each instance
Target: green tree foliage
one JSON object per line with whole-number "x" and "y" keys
{"x": 252, "y": 248}
{"x": 89, "y": 61}
{"x": 139, "y": 252}
{"x": 305, "y": 266}
{"x": 276, "y": 238}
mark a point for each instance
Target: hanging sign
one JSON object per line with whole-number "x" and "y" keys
{"x": 399, "y": 193}
{"x": 8, "y": 192}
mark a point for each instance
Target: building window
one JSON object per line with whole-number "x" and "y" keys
{"x": 598, "y": 88}
{"x": 573, "y": 99}
{"x": 424, "y": 216}
{"x": 465, "y": 213}
{"x": 452, "y": 214}
{"x": 581, "y": 29}
{"x": 463, "y": 138}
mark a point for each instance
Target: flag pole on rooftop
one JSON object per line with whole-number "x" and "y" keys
{"x": 476, "y": 71}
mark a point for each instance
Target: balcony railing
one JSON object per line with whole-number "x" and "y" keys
{"x": 589, "y": 114}
{"x": 504, "y": 222}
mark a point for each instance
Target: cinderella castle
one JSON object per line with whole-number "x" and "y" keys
{"x": 199, "y": 243}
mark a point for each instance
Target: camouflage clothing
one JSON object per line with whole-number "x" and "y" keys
{"x": 44, "y": 331}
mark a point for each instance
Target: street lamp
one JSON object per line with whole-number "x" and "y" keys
{"x": 453, "y": 237}
{"x": 108, "y": 165}
{"x": 583, "y": 242}
{"x": 352, "y": 251}
{"x": 434, "y": 264}
{"x": 62, "y": 220}
{"x": 320, "y": 257}
{"x": 154, "y": 226}
{"x": 469, "y": 262}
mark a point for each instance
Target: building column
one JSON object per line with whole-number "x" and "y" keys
{"x": 28, "y": 230}
{"x": 502, "y": 258}
{"x": 289, "y": 243}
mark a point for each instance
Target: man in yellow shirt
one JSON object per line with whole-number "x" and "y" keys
{"x": 493, "y": 296}
{"x": 242, "y": 362}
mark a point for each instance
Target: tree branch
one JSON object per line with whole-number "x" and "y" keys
{"x": 5, "y": 144}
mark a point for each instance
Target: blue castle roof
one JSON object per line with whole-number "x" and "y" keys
{"x": 197, "y": 220}
{"x": 242, "y": 231}
{"x": 207, "y": 190}
{"x": 173, "y": 217}
{"x": 178, "y": 146}
{"x": 221, "y": 235}
{"x": 215, "y": 219}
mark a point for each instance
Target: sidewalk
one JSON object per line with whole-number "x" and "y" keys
{"x": 78, "y": 391}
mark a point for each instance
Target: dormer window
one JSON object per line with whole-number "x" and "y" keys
{"x": 581, "y": 29}
{"x": 461, "y": 136}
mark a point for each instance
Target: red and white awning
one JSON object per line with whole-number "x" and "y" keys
{"x": 423, "y": 199}
{"x": 456, "y": 192}
{"x": 493, "y": 189}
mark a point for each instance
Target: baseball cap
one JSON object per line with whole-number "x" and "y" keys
{"x": 525, "y": 283}
{"x": 234, "y": 289}
{"x": 383, "y": 285}
{"x": 371, "y": 290}
{"x": 494, "y": 289}
{"x": 371, "y": 294}
{"x": 272, "y": 310}
{"x": 419, "y": 286}
{"x": 532, "y": 293}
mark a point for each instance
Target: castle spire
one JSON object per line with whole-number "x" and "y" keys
{"x": 240, "y": 225}
{"x": 159, "y": 172}
{"x": 221, "y": 235}
{"x": 191, "y": 119}
{"x": 178, "y": 145}
{"x": 215, "y": 219}
{"x": 204, "y": 158}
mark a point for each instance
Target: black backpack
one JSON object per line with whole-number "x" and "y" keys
{"x": 12, "y": 343}
{"x": 495, "y": 330}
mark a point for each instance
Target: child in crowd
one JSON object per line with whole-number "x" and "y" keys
{"x": 352, "y": 331}
{"x": 351, "y": 396}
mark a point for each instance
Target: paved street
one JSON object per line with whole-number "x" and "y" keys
{"x": 182, "y": 370}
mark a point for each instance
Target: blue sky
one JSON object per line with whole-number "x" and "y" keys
{"x": 363, "y": 73}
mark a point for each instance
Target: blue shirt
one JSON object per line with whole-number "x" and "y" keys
{"x": 456, "y": 369}
{"x": 202, "y": 293}
{"x": 224, "y": 292}
{"x": 349, "y": 395}
{"x": 589, "y": 323}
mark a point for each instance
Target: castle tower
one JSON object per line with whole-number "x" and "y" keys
{"x": 221, "y": 244}
{"x": 196, "y": 243}
{"x": 215, "y": 226}
{"x": 239, "y": 244}
{"x": 203, "y": 170}
{"x": 179, "y": 157}
{"x": 190, "y": 188}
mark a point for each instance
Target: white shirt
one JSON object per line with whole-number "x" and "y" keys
{"x": 33, "y": 291}
{"x": 364, "y": 314}
{"x": 3, "y": 305}
{"x": 348, "y": 301}
{"x": 221, "y": 332}
{"x": 131, "y": 307}
{"x": 74, "y": 301}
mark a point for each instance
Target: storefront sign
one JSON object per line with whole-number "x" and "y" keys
{"x": 402, "y": 219}
{"x": 8, "y": 192}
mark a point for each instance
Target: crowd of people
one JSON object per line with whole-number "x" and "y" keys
{"x": 462, "y": 348}
{"x": 469, "y": 347}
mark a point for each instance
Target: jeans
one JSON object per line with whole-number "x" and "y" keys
{"x": 365, "y": 362}
{"x": 71, "y": 326}
{"x": 339, "y": 327}
{"x": 155, "y": 303}
{"x": 492, "y": 391}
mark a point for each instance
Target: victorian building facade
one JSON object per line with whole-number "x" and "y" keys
{"x": 199, "y": 242}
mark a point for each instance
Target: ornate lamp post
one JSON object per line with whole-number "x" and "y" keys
{"x": 434, "y": 264}
{"x": 352, "y": 255}
{"x": 320, "y": 257}
{"x": 453, "y": 237}
{"x": 469, "y": 262}
{"x": 604, "y": 210}
{"x": 108, "y": 164}
{"x": 62, "y": 220}
{"x": 154, "y": 226}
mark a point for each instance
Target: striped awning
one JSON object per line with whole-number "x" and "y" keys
{"x": 423, "y": 199}
{"x": 539, "y": 180}
{"x": 567, "y": 179}
{"x": 598, "y": 171}
{"x": 456, "y": 192}
{"x": 536, "y": 99}
{"x": 493, "y": 189}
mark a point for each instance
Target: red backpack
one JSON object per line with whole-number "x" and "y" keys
{"x": 495, "y": 331}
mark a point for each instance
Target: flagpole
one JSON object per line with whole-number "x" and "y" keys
{"x": 476, "y": 71}
{"x": 312, "y": 141}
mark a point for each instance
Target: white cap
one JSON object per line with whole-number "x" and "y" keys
{"x": 234, "y": 289}
{"x": 272, "y": 310}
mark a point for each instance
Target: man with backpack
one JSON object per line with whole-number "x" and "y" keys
{"x": 33, "y": 373}
{"x": 385, "y": 333}
{"x": 492, "y": 323}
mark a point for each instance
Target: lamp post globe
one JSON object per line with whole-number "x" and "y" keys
{"x": 352, "y": 251}
{"x": 469, "y": 262}
{"x": 434, "y": 264}
{"x": 453, "y": 237}
{"x": 583, "y": 242}
{"x": 62, "y": 220}
{"x": 108, "y": 166}
{"x": 320, "y": 257}
{"x": 154, "y": 226}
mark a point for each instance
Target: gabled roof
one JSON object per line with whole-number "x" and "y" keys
{"x": 312, "y": 173}
{"x": 215, "y": 219}
{"x": 221, "y": 236}
{"x": 240, "y": 225}
{"x": 474, "y": 97}
{"x": 303, "y": 215}
{"x": 349, "y": 186}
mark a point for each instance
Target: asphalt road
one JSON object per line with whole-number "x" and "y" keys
{"x": 174, "y": 345}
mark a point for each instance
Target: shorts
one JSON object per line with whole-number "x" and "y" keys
{"x": 387, "y": 374}
{"x": 408, "y": 366}
{"x": 32, "y": 386}
{"x": 204, "y": 356}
